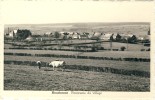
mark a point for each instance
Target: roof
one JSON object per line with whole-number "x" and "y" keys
{"x": 86, "y": 33}
{"x": 48, "y": 33}
{"x": 115, "y": 34}
{"x": 11, "y": 32}
{"x": 97, "y": 34}
{"x": 70, "y": 33}
{"x": 62, "y": 32}
{"x": 127, "y": 35}
{"x": 108, "y": 35}
{"x": 29, "y": 38}
{"x": 15, "y": 31}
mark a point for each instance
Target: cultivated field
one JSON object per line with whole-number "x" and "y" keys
{"x": 31, "y": 78}
{"x": 131, "y": 47}
{"x": 106, "y": 45}
{"x": 115, "y": 54}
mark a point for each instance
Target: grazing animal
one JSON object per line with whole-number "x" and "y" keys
{"x": 39, "y": 64}
{"x": 57, "y": 64}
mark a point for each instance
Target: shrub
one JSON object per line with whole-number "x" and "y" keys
{"x": 148, "y": 49}
{"x": 123, "y": 48}
{"x": 142, "y": 50}
{"x": 93, "y": 49}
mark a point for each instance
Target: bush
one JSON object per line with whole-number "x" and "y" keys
{"x": 100, "y": 48}
{"x": 142, "y": 50}
{"x": 148, "y": 49}
{"x": 23, "y": 34}
{"x": 123, "y": 48}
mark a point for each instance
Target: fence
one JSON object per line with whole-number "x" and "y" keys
{"x": 81, "y": 57}
{"x": 80, "y": 50}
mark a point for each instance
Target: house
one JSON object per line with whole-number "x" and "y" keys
{"x": 64, "y": 35}
{"x": 90, "y": 36}
{"x": 116, "y": 37}
{"x": 62, "y": 32}
{"x": 140, "y": 38}
{"x": 96, "y": 35}
{"x": 86, "y": 33}
{"x": 29, "y": 38}
{"x": 19, "y": 34}
{"x": 106, "y": 36}
{"x": 61, "y": 35}
{"x": 144, "y": 39}
{"x": 48, "y": 34}
{"x": 76, "y": 35}
{"x": 130, "y": 38}
{"x": 12, "y": 34}
{"x": 84, "y": 36}
{"x": 70, "y": 34}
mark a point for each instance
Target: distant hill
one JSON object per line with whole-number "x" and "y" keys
{"x": 137, "y": 28}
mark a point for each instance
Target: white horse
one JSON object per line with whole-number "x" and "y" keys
{"x": 39, "y": 64}
{"x": 57, "y": 64}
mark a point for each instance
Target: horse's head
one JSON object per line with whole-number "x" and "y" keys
{"x": 38, "y": 62}
{"x": 50, "y": 63}
{"x": 64, "y": 63}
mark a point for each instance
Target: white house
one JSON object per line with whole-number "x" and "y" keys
{"x": 106, "y": 36}
{"x": 76, "y": 35}
{"x": 96, "y": 35}
{"x": 12, "y": 34}
{"x": 29, "y": 38}
{"x": 48, "y": 34}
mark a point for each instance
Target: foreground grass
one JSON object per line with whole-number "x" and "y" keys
{"x": 31, "y": 78}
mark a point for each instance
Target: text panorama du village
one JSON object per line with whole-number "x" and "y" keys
{"x": 77, "y": 92}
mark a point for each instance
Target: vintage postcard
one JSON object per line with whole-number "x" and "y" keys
{"x": 77, "y": 49}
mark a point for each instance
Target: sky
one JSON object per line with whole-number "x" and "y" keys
{"x": 42, "y": 12}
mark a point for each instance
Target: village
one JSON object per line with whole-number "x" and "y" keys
{"x": 81, "y": 41}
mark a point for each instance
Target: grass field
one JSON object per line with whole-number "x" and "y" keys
{"x": 114, "y": 54}
{"x": 127, "y": 65}
{"x": 131, "y": 47}
{"x": 31, "y": 78}
{"x": 106, "y": 45}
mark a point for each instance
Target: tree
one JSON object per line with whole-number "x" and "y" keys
{"x": 94, "y": 48}
{"x": 148, "y": 32}
{"x": 123, "y": 48}
{"x": 56, "y": 35}
{"x": 23, "y": 34}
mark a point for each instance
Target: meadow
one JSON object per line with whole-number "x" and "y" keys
{"x": 127, "y": 65}
{"x": 17, "y": 77}
{"x": 115, "y": 54}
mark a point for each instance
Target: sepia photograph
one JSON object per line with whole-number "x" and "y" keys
{"x": 77, "y": 50}
{"x": 77, "y": 57}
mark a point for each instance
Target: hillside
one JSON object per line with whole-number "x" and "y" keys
{"x": 134, "y": 28}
